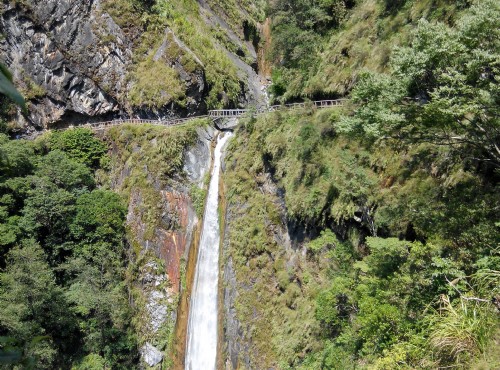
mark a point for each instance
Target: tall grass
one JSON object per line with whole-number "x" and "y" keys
{"x": 461, "y": 330}
{"x": 155, "y": 84}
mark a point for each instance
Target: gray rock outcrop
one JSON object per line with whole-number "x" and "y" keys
{"x": 77, "y": 55}
{"x": 151, "y": 355}
{"x": 76, "y": 65}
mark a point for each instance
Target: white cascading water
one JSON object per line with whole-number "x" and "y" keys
{"x": 201, "y": 350}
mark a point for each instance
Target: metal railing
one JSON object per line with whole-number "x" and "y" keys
{"x": 136, "y": 121}
{"x": 227, "y": 113}
{"x": 214, "y": 114}
{"x": 223, "y": 113}
{"x": 316, "y": 104}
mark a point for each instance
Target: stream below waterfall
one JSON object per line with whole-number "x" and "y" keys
{"x": 202, "y": 337}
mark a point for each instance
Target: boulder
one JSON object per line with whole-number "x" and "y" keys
{"x": 150, "y": 354}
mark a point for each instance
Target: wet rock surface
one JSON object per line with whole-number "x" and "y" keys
{"x": 163, "y": 251}
{"x": 194, "y": 168}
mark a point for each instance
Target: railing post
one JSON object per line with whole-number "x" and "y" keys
{"x": 213, "y": 114}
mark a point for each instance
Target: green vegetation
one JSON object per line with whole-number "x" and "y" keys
{"x": 440, "y": 89}
{"x": 125, "y": 12}
{"x": 67, "y": 277}
{"x": 81, "y": 145}
{"x": 155, "y": 82}
{"x": 184, "y": 19}
{"x": 362, "y": 237}
{"x": 388, "y": 311}
{"x": 393, "y": 201}
{"x": 62, "y": 255}
{"x": 147, "y": 158}
{"x": 198, "y": 195}
{"x": 320, "y": 47}
{"x": 240, "y": 14}
{"x": 30, "y": 89}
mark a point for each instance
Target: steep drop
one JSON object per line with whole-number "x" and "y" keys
{"x": 202, "y": 325}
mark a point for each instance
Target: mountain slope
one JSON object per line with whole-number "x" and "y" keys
{"x": 366, "y": 237}
{"x": 320, "y": 48}
{"x": 78, "y": 63}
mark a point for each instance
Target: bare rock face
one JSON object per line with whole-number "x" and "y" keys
{"x": 163, "y": 247}
{"x": 77, "y": 55}
{"x": 76, "y": 65}
{"x": 78, "y": 59}
{"x": 151, "y": 355}
{"x": 236, "y": 349}
{"x": 252, "y": 94}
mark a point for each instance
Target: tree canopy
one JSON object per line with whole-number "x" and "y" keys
{"x": 443, "y": 88}
{"x": 62, "y": 246}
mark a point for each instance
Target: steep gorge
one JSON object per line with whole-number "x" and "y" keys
{"x": 350, "y": 237}
{"x": 79, "y": 63}
{"x": 341, "y": 226}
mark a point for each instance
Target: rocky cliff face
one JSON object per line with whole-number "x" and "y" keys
{"x": 267, "y": 279}
{"x": 77, "y": 55}
{"x": 253, "y": 92}
{"x": 73, "y": 62}
{"x": 160, "y": 245}
{"x": 239, "y": 349}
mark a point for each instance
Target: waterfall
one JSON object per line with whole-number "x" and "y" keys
{"x": 201, "y": 350}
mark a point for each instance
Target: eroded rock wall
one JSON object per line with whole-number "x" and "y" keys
{"x": 159, "y": 248}
{"x": 76, "y": 55}
{"x": 75, "y": 64}
{"x": 249, "y": 280}
{"x": 238, "y": 348}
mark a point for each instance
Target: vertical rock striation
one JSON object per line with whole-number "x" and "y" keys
{"x": 75, "y": 64}
{"x": 77, "y": 55}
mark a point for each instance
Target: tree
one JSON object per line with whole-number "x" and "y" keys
{"x": 443, "y": 87}
{"x": 96, "y": 287}
{"x": 64, "y": 172}
{"x": 47, "y": 214}
{"x": 31, "y": 305}
{"x": 298, "y": 29}
{"x": 99, "y": 218}
{"x": 80, "y": 144}
{"x": 16, "y": 158}
{"x": 63, "y": 295}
